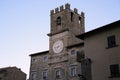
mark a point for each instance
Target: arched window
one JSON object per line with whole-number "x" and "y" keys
{"x": 58, "y": 21}
{"x": 79, "y": 20}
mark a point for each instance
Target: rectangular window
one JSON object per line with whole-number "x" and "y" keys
{"x": 73, "y": 52}
{"x": 73, "y": 71}
{"x": 58, "y": 72}
{"x": 111, "y": 41}
{"x": 33, "y": 75}
{"x": 114, "y": 70}
{"x": 80, "y": 56}
{"x": 45, "y": 74}
{"x": 45, "y": 58}
{"x": 33, "y": 60}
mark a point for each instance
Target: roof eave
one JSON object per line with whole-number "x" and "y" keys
{"x": 39, "y": 53}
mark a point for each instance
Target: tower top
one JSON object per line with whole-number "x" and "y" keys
{"x": 61, "y": 8}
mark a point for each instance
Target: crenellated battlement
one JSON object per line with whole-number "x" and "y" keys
{"x": 61, "y": 8}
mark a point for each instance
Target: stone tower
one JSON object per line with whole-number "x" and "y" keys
{"x": 60, "y": 61}
{"x": 65, "y": 25}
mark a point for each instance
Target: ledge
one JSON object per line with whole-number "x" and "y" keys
{"x": 50, "y": 34}
{"x": 112, "y": 47}
{"x": 117, "y": 76}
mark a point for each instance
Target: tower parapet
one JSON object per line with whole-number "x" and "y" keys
{"x": 61, "y": 8}
{"x": 75, "y": 10}
{"x": 63, "y": 20}
{"x": 52, "y": 12}
{"x": 67, "y": 6}
{"x": 82, "y": 14}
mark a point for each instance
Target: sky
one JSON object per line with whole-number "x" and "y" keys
{"x": 24, "y": 25}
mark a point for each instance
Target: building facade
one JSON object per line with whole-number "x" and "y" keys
{"x": 75, "y": 54}
{"x": 102, "y": 46}
{"x": 60, "y": 61}
{"x": 12, "y": 73}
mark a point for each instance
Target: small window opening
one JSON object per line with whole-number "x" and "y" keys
{"x": 73, "y": 71}
{"x": 71, "y": 16}
{"x": 111, "y": 41}
{"x": 114, "y": 70}
{"x": 45, "y": 74}
{"x": 58, "y": 73}
{"x": 45, "y": 58}
{"x": 73, "y": 52}
{"x": 58, "y": 21}
{"x": 79, "y": 20}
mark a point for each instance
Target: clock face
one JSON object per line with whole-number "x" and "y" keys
{"x": 58, "y": 46}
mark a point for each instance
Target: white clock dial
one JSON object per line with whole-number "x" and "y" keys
{"x": 58, "y": 46}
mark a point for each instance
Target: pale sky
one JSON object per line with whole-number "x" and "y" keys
{"x": 25, "y": 23}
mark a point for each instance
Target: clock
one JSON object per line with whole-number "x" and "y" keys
{"x": 58, "y": 46}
